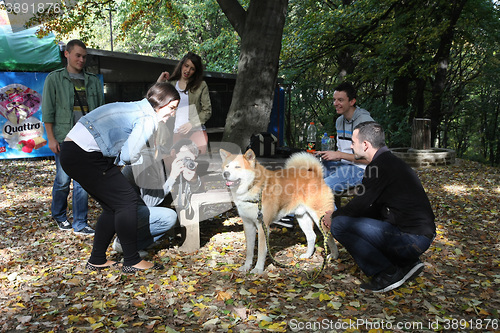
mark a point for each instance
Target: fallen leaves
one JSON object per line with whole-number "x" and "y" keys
{"x": 45, "y": 287}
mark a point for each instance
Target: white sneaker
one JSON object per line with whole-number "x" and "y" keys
{"x": 117, "y": 246}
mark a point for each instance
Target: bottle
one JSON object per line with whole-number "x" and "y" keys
{"x": 311, "y": 138}
{"x": 331, "y": 143}
{"x": 324, "y": 142}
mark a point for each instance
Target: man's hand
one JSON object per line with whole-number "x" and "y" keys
{"x": 54, "y": 146}
{"x": 330, "y": 155}
{"x": 327, "y": 220}
{"x": 188, "y": 174}
{"x": 178, "y": 167}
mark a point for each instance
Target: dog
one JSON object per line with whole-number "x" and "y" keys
{"x": 298, "y": 188}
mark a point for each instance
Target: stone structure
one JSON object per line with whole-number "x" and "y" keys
{"x": 419, "y": 158}
{"x": 421, "y": 154}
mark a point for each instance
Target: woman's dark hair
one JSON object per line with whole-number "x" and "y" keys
{"x": 160, "y": 94}
{"x": 195, "y": 80}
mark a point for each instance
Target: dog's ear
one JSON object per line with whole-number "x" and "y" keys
{"x": 224, "y": 153}
{"x": 250, "y": 155}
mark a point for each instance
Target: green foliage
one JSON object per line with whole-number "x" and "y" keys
{"x": 161, "y": 28}
{"x": 378, "y": 45}
{"x": 394, "y": 119}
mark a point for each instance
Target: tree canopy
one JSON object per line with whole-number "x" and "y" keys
{"x": 436, "y": 59}
{"x": 407, "y": 58}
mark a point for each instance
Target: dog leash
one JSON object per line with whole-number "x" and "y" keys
{"x": 260, "y": 218}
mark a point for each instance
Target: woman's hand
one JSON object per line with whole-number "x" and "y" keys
{"x": 185, "y": 128}
{"x": 164, "y": 76}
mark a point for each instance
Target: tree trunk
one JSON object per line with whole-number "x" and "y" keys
{"x": 441, "y": 60}
{"x": 419, "y": 101}
{"x": 400, "y": 92}
{"x": 421, "y": 133}
{"x": 261, "y": 30}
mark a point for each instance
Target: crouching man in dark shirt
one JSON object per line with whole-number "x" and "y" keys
{"x": 390, "y": 223}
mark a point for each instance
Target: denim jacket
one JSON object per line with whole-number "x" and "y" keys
{"x": 58, "y": 99}
{"x": 122, "y": 129}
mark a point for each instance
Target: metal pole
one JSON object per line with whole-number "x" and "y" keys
{"x": 110, "y": 29}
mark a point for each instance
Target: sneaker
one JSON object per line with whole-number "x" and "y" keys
{"x": 286, "y": 221}
{"x": 117, "y": 246}
{"x": 86, "y": 231}
{"x": 64, "y": 225}
{"x": 413, "y": 270}
{"x": 383, "y": 282}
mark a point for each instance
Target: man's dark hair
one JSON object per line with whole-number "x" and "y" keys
{"x": 348, "y": 89}
{"x": 190, "y": 145}
{"x": 372, "y": 132}
{"x": 75, "y": 42}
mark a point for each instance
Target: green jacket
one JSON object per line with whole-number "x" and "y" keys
{"x": 58, "y": 100}
{"x": 200, "y": 108}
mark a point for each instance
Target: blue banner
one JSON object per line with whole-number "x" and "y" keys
{"x": 22, "y": 131}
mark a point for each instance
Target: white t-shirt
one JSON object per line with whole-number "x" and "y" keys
{"x": 83, "y": 138}
{"x": 182, "y": 113}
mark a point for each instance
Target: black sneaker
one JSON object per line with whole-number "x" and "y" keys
{"x": 286, "y": 221}
{"x": 64, "y": 225}
{"x": 383, "y": 282}
{"x": 413, "y": 270}
{"x": 86, "y": 231}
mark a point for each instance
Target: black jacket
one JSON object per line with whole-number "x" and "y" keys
{"x": 391, "y": 191}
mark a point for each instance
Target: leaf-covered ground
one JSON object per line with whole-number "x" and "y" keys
{"x": 44, "y": 286}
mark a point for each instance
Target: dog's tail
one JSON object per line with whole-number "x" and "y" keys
{"x": 305, "y": 162}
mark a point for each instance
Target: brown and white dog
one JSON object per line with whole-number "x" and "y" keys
{"x": 298, "y": 188}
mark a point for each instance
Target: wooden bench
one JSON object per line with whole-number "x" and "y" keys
{"x": 214, "y": 195}
{"x": 191, "y": 217}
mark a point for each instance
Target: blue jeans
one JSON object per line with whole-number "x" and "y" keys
{"x": 377, "y": 245}
{"x": 60, "y": 192}
{"x": 153, "y": 223}
{"x": 340, "y": 176}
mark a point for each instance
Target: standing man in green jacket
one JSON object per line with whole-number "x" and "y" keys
{"x": 68, "y": 94}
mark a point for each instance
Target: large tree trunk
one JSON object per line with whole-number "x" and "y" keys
{"x": 261, "y": 30}
{"x": 441, "y": 59}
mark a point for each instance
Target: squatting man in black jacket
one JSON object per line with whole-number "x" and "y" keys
{"x": 389, "y": 225}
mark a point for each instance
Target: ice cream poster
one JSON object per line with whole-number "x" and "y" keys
{"x": 22, "y": 131}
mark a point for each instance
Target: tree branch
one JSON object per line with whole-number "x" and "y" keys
{"x": 234, "y": 13}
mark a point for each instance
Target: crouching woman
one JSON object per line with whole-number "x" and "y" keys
{"x": 92, "y": 153}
